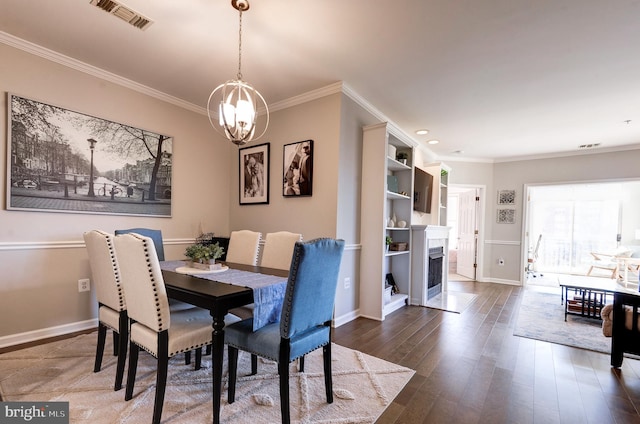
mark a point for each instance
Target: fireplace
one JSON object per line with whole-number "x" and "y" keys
{"x": 429, "y": 262}
{"x": 434, "y": 278}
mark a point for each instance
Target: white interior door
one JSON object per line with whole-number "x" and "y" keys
{"x": 467, "y": 237}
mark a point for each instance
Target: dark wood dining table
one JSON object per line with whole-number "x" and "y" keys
{"x": 218, "y": 298}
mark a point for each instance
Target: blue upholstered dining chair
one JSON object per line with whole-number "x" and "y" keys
{"x": 155, "y": 235}
{"x": 305, "y": 322}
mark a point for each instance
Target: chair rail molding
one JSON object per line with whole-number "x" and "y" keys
{"x": 69, "y": 244}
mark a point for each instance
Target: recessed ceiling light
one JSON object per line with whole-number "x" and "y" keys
{"x": 458, "y": 152}
{"x": 422, "y": 132}
{"x": 433, "y": 141}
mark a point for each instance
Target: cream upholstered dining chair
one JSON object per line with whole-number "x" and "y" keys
{"x": 278, "y": 249}
{"x": 112, "y": 308}
{"x": 153, "y": 327}
{"x": 244, "y": 246}
{"x": 305, "y": 322}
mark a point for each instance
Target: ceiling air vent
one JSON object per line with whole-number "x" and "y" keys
{"x": 123, "y": 12}
{"x": 589, "y": 146}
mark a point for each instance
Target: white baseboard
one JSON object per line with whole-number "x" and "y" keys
{"x": 501, "y": 281}
{"x": 31, "y": 336}
{"x": 343, "y": 319}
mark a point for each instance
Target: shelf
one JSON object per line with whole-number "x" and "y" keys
{"x": 397, "y": 229}
{"x": 398, "y": 300}
{"x": 396, "y": 252}
{"x": 394, "y": 165}
{"x": 396, "y": 196}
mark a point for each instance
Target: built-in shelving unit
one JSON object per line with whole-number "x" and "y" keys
{"x": 440, "y": 173}
{"x": 387, "y": 192}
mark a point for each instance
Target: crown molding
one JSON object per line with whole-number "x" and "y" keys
{"x": 72, "y": 63}
{"x": 335, "y": 88}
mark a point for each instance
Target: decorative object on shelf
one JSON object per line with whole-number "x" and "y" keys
{"x": 297, "y": 169}
{"x": 402, "y": 157}
{"x": 506, "y": 197}
{"x": 444, "y": 173}
{"x": 398, "y": 246}
{"x": 391, "y": 151}
{"x": 254, "y": 174}
{"x": 392, "y": 183}
{"x": 389, "y": 281}
{"x": 387, "y": 241}
{"x": 506, "y": 216}
{"x": 233, "y": 106}
{"x": 390, "y": 223}
{"x": 402, "y": 224}
{"x": 203, "y": 256}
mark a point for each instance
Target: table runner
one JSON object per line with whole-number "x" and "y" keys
{"x": 268, "y": 290}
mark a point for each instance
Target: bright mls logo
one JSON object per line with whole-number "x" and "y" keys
{"x": 34, "y": 412}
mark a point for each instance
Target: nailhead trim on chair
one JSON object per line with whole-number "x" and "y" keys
{"x": 244, "y": 348}
{"x": 116, "y": 270}
{"x": 155, "y": 287}
{"x": 188, "y": 349}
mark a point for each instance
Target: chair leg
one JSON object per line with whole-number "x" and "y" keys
{"x": 116, "y": 343}
{"x": 254, "y": 364}
{"x": 301, "y": 363}
{"x": 198, "y": 364}
{"x": 208, "y": 351}
{"x": 187, "y": 358}
{"x": 233, "y": 371}
{"x": 102, "y": 336}
{"x": 123, "y": 337}
{"x": 133, "y": 365}
{"x": 328, "y": 378}
{"x": 283, "y": 368}
{"x": 161, "y": 384}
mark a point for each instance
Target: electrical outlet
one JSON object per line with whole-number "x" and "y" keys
{"x": 84, "y": 285}
{"x": 501, "y": 262}
{"x": 347, "y": 282}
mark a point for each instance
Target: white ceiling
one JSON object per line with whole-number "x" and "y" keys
{"x": 497, "y": 79}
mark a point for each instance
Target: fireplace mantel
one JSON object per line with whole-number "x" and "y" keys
{"x": 423, "y": 238}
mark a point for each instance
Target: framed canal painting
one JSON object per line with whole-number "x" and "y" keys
{"x": 60, "y": 160}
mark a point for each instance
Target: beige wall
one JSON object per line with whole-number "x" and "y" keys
{"x": 41, "y": 253}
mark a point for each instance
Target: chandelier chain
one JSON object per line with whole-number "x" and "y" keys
{"x": 240, "y": 48}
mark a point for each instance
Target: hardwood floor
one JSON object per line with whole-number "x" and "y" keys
{"x": 470, "y": 368}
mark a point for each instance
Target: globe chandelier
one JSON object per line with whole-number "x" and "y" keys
{"x": 233, "y": 106}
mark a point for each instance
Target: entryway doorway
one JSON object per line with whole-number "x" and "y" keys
{"x": 463, "y": 216}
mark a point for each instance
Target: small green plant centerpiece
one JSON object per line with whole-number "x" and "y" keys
{"x": 203, "y": 256}
{"x": 387, "y": 241}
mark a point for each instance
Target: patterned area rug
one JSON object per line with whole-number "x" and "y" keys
{"x": 63, "y": 371}
{"x": 541, "y": 317}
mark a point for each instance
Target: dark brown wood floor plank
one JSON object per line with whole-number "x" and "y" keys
{"x": 470, "y": 368}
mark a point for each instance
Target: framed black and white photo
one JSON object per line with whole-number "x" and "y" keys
{"x": 506, "y": 216}
{"x": 506, "y": 197}
{"x": 297, "y": 169}
{"x": 65, "y": 161}
{"x": 254, "y": 174}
